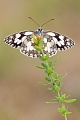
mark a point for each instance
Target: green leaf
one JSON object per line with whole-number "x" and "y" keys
{"x": 64, "y": 111}
{"x": 40, "y": 67}
{"x": 70, "y": 101}
{"x": 67, "y": 113}
{"x": 35, "y": 40}
{"x": 51, "y": 89}
{"x": 37, "y": 48}
{"x": 44, "y": 65}
{"x": 63, "y": 96}
{"x": 50, "y": 63}
{"x": 40, "y": 41}
{"x": 44, "y": 58}
{"x": 48, "y": 79}
{"x": 56, "y": 88}
{"x": 49, "y": 71}
{"x": 60, "y": 110}
{"x": 56, "y": 98}
{"x": 41, "y": 58}
{"x": 59, "y": 84}
{"x": 51, "y": 102}
{"x": 44, "y": 83}
{"x": 56, "y": 76}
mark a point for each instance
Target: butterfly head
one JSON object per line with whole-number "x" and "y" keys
{"x": 40, "y": 30}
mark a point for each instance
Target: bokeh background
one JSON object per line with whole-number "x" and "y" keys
{"x": 21, "y": 97}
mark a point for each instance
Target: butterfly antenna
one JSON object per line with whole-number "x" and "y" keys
{"x": 34, "y": 21}
{"x": 47, "y": 22}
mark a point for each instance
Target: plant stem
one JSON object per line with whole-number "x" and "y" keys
{"x": 65, "y": 117}
{"x": 52, "y": 78}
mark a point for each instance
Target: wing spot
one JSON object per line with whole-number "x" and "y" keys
{"x": 61, "y": 37}
{"x": 45, "y": 49}
{"x": 11, "y": 37}
{"x": 16, "y": 40}
{"x": 55, "y": 39}
{"x": 68, "y": 43}
{"x": 31, "y": 48}
{"x": 18, "y": 35}
{"x": 62, "y": 42}
{"x": 48, "y": 47}
{"x": 45, "y": 40}
{"x": 27, "y": 33}
{"x": 59, "y": 44}
{"x": 19, "y": 42}
{"x": 51, "y": 33}
{"x": 23, "y": 38}
{"x": 28, "y": 46}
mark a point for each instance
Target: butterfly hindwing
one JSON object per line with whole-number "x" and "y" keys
{"x": 27, "y": 47}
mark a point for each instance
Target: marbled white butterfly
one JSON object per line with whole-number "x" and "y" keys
{"x": 53, "y": 41}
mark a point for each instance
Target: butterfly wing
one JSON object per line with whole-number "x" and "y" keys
{"x": 22, "y": 41}
{"x": 62, "y": 42}
{"x": 53, "y": 41}
{"x": 15, "y": 40}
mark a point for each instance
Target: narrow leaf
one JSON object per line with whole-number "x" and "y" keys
{"x": 51, "y": 102}
{"x": 51, "y": 89}
{"x": 44, "y": 83}
{"x": 70, "y": 101}
{"x": 40, "y": 67}
{"x": 38, "y": 48}
{"x": 44, "y": 65}
{"x": 48, "y": 79}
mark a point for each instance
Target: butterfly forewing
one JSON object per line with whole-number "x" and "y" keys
{"x": 16, "y": 39}
{"x": 53, "y": 41}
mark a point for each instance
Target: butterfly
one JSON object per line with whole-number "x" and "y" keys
{"x": 53, "y": 41}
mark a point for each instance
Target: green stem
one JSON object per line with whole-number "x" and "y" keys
{"x": 65, "y": 117}
{"x": 52, "y": 77}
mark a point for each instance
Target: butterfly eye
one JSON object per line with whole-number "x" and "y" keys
{"x": 40, "y": 29}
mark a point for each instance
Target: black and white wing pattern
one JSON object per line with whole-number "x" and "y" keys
{"x": 22, "y": 41}
{"x": 53, "y": 42}
{"x": 16, "y": 39}
{"x": 62, "y": 42}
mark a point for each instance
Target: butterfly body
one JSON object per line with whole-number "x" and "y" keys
{"x": 53, "y": 42}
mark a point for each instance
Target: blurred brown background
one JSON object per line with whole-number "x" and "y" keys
{"x": 21, "y": 97}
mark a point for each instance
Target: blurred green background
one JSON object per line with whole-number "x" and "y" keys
{"x": 21, "y": 97}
